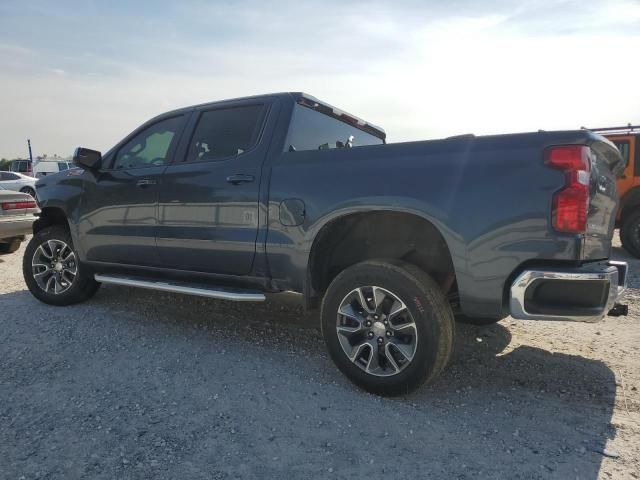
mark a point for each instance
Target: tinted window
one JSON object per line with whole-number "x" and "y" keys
{"x": 149, "y": 147}
{"x": 62, "y": 166}
{"x": 312, "y": 130}
{"x": 8, "y": 176}
{"x": 21, "y": 166}
{"x": 623, "y": 146}
{"x": 225, "y": 133}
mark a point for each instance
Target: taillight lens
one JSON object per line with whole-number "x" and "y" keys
{"x": 18, "y": 205}
{"x": 571, "y": 204}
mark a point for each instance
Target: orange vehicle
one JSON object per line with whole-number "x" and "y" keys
{"x": 627, "y": 139}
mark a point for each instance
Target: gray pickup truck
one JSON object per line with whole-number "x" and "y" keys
{"x": 284, "y": 192}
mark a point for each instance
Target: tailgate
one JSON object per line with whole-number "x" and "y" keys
{"x": 606, "y": 165}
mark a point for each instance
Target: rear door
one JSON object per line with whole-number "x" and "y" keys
{"x": 208, "y": 205}
{"x": 118, "y": 215}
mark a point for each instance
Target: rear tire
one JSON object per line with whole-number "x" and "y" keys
{"x": 409, "y": 303}
{"x": 630, "y": 233}
{"x": 29, "y": 190}
{"x": 62, "y": 287}
{"x": 11, "y": 246}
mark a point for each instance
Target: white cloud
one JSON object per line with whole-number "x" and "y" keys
{"x": 419, "y": 73}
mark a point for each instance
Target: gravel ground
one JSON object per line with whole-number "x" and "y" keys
{"x": 140, "y": 384}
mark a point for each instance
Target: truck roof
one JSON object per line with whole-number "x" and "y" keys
{"x": 301, "y": 98}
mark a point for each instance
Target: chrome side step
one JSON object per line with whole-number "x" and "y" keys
{"x": 220, "y": 293}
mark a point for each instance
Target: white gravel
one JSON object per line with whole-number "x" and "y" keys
{"x": 139, "y": 384}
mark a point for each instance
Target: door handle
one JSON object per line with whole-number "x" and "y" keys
{"x": 239, "y": 178}
{"x": 145, "y": 182}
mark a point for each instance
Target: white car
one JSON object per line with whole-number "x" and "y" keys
{"x": 18, "y": 182}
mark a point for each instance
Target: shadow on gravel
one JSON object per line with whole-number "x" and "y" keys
{"x": 495, "y": 412}
{"x": 558, "y": 407}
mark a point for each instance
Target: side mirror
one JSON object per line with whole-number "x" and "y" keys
{"x": 85, "y": 157}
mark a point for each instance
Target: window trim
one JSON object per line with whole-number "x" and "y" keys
{"x": 170, "y": 152}
{"x": 266, "y": 107}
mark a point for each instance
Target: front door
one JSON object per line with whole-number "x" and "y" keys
{"x": 208, "y": 206}
{"x": 118, "y": 212}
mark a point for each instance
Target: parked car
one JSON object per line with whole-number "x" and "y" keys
{"x": 17, "y": 212}
{"x": 49, "y": 167}
{"x": 627, "y": 139}
{"x": 21, "y": 166}
{"x": 18, "y": 182}
{"x": 283, "y": 192}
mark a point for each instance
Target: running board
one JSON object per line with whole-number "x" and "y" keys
{"x": 220, "y": 293}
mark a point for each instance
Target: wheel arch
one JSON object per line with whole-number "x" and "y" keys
{"x": 51, "y": 216}
{"x": 348, "y": 238}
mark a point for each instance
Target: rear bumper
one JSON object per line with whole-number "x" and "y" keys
{"x": 16, "y": 226}
{"x": 583, "y": 294}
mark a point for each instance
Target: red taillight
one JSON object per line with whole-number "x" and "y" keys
{"x": 571, "y": 204}
{"x": 18, "y": 205}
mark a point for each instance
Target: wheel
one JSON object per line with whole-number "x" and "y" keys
{"x": 480, "y": 321}
{"x": 52, "y": 271}
{"x": 387, "y": 326}
{"x": 29, "y": 190}
{"x": 630, "y": 233}
{"x": 11, "y": 246}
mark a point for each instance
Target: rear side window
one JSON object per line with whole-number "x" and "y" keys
{"x": 6, "y": 176}
{"x": 62, "y": 166}
{"x": 150, "y": 146}
{"x": 226, "y": 132}
{"x": 313, "y": 130}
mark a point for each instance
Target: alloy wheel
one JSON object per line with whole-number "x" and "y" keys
{"x": 376, "y": 331}
{"x": 54, "y": 266}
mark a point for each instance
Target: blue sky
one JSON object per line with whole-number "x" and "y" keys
{"x": 88, "y": 72}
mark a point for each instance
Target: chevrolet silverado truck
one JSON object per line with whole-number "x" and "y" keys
{"x": 283, "y": 192}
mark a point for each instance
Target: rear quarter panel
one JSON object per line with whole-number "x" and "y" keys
{"x": 489, "y": 197}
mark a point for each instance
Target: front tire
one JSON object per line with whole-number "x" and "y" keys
{"x": 29, "y": 191}
{"x": 52, "y": 270}
{"x": 387, "y": 326}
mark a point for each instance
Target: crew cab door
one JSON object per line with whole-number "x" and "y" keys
{"x": 118, "y": 211}
{"x": 208, "y": 207}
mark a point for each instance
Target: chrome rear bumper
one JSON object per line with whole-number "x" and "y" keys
{"x": 583, "y": 294}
